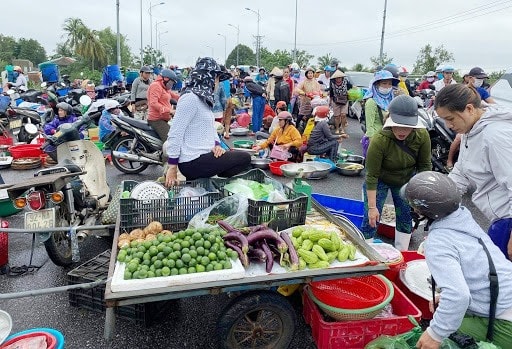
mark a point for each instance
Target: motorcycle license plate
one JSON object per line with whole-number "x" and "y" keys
{"x": 15, "y": 124}
{"x": 40, "y": 219}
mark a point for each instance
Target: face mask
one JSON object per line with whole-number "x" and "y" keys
{"x": 296, "y": 75}
{"x": 440, "y": 76}
{"x": 430, "y": 79}
{"x": 385, "y": 90}
{"x": 15, "y": 74}
{"x": 169, "y": 84}
{"x": 478, "y": 83}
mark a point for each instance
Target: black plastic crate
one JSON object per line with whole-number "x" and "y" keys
{"x": 94, "y": 298}
{"x": 174, "y": 214}
{"x": 278, "y": 215}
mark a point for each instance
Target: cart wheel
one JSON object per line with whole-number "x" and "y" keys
{"x": 257, "y": 319}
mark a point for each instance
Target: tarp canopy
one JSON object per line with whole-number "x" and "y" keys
{"x": 61, "y": 61}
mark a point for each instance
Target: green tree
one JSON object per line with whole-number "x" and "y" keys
{"x": 152, "y": 56}
{"x": 302, "y": 58}
{"x": 7, "y": 48}
{"x": 429, "y": 59}
{"x": 279, "y": 58}
{"x": 495, "y": 75}
{"x": 109, "y": 40}
{"x": 376, "y": 61}
{"x": 360, "y": 67}
{"x": 74, "y": 30}
{"x": 326, "y": 60}
{"x": 30, "y": 49}
{"x": 62, "y": 50}
{"x": 246, "y": 56}
{"x": 91, "y": 48}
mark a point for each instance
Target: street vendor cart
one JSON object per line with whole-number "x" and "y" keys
{"x": 258, "y": 315}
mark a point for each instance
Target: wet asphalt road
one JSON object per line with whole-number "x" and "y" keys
{"x": 190, "y": 323}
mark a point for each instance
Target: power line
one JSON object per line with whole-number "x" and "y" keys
{"x": 470, "y": 13}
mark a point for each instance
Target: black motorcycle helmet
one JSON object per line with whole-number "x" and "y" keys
{"x": 432, "y": 194}
{"x": 145, "y": 69}
{"x": 393, "y": 69}
{"x": 65, "y": 106}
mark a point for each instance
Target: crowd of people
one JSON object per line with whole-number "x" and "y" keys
{"x": 299, "y": 111}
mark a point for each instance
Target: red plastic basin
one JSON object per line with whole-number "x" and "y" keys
{"x": 25, "y": 151}
{"x": 275, "y": 167}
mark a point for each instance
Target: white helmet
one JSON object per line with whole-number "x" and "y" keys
{"x": 232, "y": 67}
{"x": 295, "y": 66}
{"x": 111, "y": 104}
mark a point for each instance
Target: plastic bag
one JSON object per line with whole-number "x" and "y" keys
{"x": 189, "y": 192}
{"x": 233, "y": 208}
{"x": 252, "y": 189}
{"x": 277, "y": 196}
{"x": 405, "y": 340}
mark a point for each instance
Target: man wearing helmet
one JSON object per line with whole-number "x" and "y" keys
{"x": 139, "y": 92}
{"x": 447, "y": 79}
{"x": 159, "y": 101}
{"x": 459, "y": 255}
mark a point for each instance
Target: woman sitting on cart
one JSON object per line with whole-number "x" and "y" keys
{"x": 286, "y": 136}
{"x": 193, "y": 143}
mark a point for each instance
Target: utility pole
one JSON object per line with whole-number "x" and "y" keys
{"x": 294, "y": 56}
{"x": 118, "y": 36}
{"x": 237, "y": 41}
{"x": 382, "y": 35}
{"x": 141, "y": 44}
{"x": 258, "y": 37}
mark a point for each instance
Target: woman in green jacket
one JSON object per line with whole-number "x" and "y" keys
{"x": 395, "y": 154}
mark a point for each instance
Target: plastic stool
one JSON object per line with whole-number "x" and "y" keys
{"x": 308, "y": 157}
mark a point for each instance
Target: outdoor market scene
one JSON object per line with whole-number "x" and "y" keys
{"x": 155, "y": 193}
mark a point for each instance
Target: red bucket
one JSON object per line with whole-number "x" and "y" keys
{"x": 25, "y": 151}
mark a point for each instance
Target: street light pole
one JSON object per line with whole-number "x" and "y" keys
{"x": 141, "y": 44}
{"x": 382, "y": 35}
{"x": 151, "y": 22}
{"x": 295, "y": 41}
{"x": 118, "y": 36}
{"x": 258, "y": 38}
{"x": 156, "y": 32}
{"x": 237, "y": 41}
{"x": 225, "y": 50}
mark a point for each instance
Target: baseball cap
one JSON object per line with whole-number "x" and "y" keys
{"x": 403, "y": 112}
{"x": 478, "y": 73}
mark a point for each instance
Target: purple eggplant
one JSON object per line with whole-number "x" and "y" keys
{"x": 238, "y": 236}
{"x": 269, "y": 263}
{"x": 241, "y": 255}
{"x": 294, "y": 258}
{"x": 257, "y": 254}
{"x": 226, "y": 226}
{"x": 268, "y": 234}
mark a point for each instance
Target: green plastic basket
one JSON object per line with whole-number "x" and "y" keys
{"x": 100, "y": 145}
{"x": 247, "y": 144}
{"x": 354, "y": 314}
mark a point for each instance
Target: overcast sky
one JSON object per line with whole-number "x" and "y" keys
{"x": 476, "y": 32}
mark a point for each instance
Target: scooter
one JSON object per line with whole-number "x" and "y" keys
{"x": 63, "y": 203}
{"x": 131, "y": 141}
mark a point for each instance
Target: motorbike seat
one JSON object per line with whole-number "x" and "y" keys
{"x": 143, "y": 125}
{"x": 70, "y": 166}
{"x": 442, "y": 124}
{"x": 31, "y": 96}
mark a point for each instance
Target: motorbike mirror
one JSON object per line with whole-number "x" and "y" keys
{"x": 62, "y": 84}
{"x": 11, "y": 92}
{"x": 173, "y": 101}
{"x": 44, "y": 84}
{"x": 85, "y": 100}
{"x": 432, "y": 87}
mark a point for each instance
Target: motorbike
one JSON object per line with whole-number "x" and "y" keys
{"x": 441, "y": 136}
{"x": 23, "y": 123}
{"x": 132, "y": 139}
{"x": 69, "y": 197}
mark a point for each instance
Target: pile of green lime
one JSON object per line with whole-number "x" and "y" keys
{"x": 184, "y": 252}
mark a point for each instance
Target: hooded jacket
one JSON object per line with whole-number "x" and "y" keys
{"x": 484, "y": 163}
{"x": 460, "y": 267}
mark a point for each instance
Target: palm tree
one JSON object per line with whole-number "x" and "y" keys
{"x": 325, "y": 60}
{"x": 75, "y": 30}
{"x": 90, "y": 47}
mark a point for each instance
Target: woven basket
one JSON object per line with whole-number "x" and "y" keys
{"x": 26, "y": 163}
{"x": 352, "y": 314}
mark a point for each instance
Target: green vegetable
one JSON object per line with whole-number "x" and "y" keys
{"x": 319, "y": 251}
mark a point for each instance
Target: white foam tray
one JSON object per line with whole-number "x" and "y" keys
{"x": 119, "y": 284}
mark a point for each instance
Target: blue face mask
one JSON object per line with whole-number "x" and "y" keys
{"x": 15, "y": 74}
{"x": 440, "y": 76}
{"x": 296, "y": 75}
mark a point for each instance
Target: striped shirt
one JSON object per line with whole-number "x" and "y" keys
{"x": 192, "y": 131}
